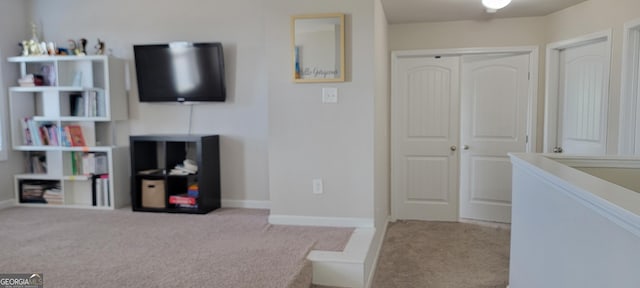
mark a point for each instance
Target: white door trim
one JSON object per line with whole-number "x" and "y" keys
{"x": 533, "y": 88}
{"x": 552, "y": 81}
{"x": 630, "y": 92}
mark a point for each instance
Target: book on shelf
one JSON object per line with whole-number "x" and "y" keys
{"x": 94, "y": 163}
{"x": 36, "y": 162}
{"x": 37, "y": 191}
{"x": 104, "y": 179}
{"x": 74, "y": 135}
{"x": 182, "y": 199}
{"x": 88, "y": 163}
{"x": 26, "y": 132}
{"x": 90, "y": 103}
{"x": 35, "y": 132}
{"x": 52, "y": 134}
{"x": 39, "y": 134}
{"x": 193, "y": 190}
{"x": 157, "y": 171}
{"x": 76, "y": 101}
{"x": 53, "y": 195}
{"x": 44, "y": 135}
{"x": 31, "y": 80}
{"x": 76, "y": 162}
{"x": 100, "y": 190}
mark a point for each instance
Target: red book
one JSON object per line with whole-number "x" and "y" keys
{"x": 74, "y": 134}
{"x": 182, "y": 199}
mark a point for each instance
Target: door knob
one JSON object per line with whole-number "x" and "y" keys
{"x": 557, "y": 149}
{"x": 453, "y": 148}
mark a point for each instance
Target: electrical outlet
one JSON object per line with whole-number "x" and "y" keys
{"x": 330, "y": 95}
{"x": 317, "y": 186}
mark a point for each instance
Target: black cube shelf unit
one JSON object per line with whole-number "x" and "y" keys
{"x": 152, "y": 184}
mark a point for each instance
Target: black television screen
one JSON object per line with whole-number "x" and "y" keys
{"x": 180, "y": 72}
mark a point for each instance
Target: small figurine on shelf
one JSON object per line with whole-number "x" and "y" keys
{"x": 78, "y": 48}
{"x": 72, "y": 46}
{"x": 83, "y": 46}
{"x": 34, "y": 32}
{"x": 100, "y": 47}
{"x": 25, "y": 48}
{"x": 51, "y": 48}
{"x": 34, "y": 48}
{"x": 43, "y": 48}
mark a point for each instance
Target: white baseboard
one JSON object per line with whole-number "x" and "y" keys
{"x": 320, "y": 221}
{"x": 252, "y": 204}
{"x": 4, "y": 204}
{"x": 376, "y": 254}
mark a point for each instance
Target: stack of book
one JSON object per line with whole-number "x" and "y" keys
{"x": 53, "y": 196}
{"x": 188, "y": 200}
{"x": 100, "y": 190}
{"x": 33, "y": 191}
{"x": 193, "y": 191}
{"x": 31, "y": 80}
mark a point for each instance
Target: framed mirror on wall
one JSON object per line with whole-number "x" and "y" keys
{"x": 317, "y": 46}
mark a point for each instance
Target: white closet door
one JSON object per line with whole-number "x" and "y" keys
{"x": 495, "y": 90}
{"x": 582, "y": 99}
{"x": 425, "y": 125}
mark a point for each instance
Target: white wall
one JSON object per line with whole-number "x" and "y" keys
{"x": 308, "y": 139}
{"x": 14, "y": 27}
{"x": 625, "y": 177}
{"x": 464, "y": 34}
{"x": 588, "y": 235}
{"x": 381, "y": 134}
{"x": 241, "y": 120}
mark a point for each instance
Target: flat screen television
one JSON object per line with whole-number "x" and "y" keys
{"x": 180, "y": 72}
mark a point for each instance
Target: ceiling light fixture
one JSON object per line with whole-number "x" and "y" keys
{"x": 493, "y": 5}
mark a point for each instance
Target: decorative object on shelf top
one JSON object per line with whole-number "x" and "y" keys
{"x": 100, "y": 47}
{"x": 33, "y": 47}
{"x": 79, "y": 48}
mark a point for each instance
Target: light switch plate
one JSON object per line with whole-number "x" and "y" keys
{"x": 330, "y": 95}
{"x": 317, "y": 186}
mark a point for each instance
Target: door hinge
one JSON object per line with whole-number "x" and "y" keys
{"x": 528, "y": 75}
{"x": 526, "y": 139}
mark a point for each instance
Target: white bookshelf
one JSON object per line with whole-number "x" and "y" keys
{"x": 83, "y": 91}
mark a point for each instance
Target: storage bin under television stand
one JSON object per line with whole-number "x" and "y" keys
{"x": 152, "y": 159}
{"x": 85, "y": 92}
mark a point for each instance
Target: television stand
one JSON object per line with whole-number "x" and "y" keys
{"x": 154, "y": 188}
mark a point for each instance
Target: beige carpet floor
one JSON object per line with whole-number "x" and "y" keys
{"x": 225, "y": 248}
{"x": 443, "y": 255}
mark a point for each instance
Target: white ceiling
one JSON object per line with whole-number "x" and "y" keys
{"x": 408, "y": 11}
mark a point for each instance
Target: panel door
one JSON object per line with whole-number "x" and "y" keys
{"x": 425, "y": 119}
{"x": 495, "y": 91}
{"x": 583, "y": 90}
